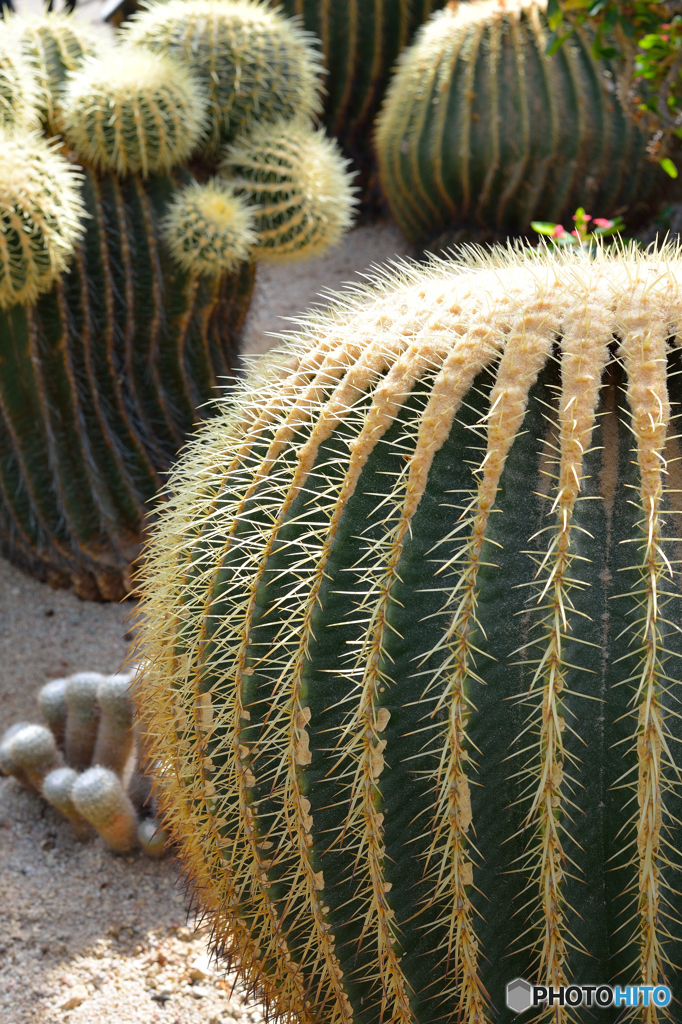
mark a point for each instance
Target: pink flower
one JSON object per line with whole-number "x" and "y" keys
{"x": 558, "y": 231}
{"x": 585, "y": 217}
{"x": 602, "y": 222}
{"x": 576, "y": 233}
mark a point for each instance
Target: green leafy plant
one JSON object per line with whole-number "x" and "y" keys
{"x": 586, "y": 232}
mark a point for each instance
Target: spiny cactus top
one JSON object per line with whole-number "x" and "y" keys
{"x": 18, "y": 92}
{"x": 254, "y": 63}
{"x": 412, "y": 621}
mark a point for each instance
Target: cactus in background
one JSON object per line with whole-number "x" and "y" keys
{"x": 8, "y": 766}
{"x": 34, "y": 752}
{"x": 115, "y": 733}
{"x": 141, "y": 112}
{"x": 412, "y": 629}
{"x": 481, "y": 128}
{"x": 18, "y": 92}
{"x": 255, "y": 64}
{"x": 54, "y": 709}
{"x": 57, "y": 789}
{"x": 82, "y": 722}
{"x": 99, "y": 796}
{"x": 107, "y": 371}
{"x": 152, "y": 837}
{"x": 298, "y": 185}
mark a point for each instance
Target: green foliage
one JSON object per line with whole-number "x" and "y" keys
{"x": 480, "y": 128}
{"x": 582, "y": 236}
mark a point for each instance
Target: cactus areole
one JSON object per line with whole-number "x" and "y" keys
{"x": 413, "y": 619}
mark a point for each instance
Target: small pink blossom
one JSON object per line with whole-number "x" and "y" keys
{"x": 585, "y": 217}
{"x": 576, "y": 233}
{"x": 559, "y": 231}
{"x": 602, "y": 222}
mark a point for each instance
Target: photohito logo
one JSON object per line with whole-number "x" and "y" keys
{"x": 521, "y": 995}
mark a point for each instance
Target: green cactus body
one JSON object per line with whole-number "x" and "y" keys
{"x": 100, "y": 797}
{"x": 361, "y": 40}
{"x": 115, "y": 733}
{"x": 297, "y": 184}
{"x": 481, "y": 128}
{"x": 34, "y": 752}
{"x": 57, "y": 788}
{"x": 101, "y": 379}
{"x": 83, "y": 716}
{"x": 412, "y": 630}
{"x": 254, "y": 63}
{"x": 18, "y": 90}
{"x": 53, "y": 707}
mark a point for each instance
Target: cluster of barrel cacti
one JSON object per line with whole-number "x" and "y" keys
{"x": 86, "y": 760}
{"x": 482, "y": 129}
{"x": 127, "y": 254}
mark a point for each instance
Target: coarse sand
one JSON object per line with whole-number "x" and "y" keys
{"x": 85, "y": 936}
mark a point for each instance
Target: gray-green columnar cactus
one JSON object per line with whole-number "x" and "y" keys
{"x": 413, "y": 626}
{"x": 481, "y": 128}
{"x": 125, "y": 277}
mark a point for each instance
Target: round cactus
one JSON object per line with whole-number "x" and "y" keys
{"x": 18, "y": 90}
{"x": 57, "y": 789}
{"x": 255, "y": 64}
{"x": 133, "y": 111}
{"x": 209, "y": 230}
{"x": 53, "y": 45}
{"x": 412, "y": 630}
{"x": 297, "y": 182}
{"x": 83, "y": 717}
{"x": 115, "y": 733}
{"x": 99, "y": 796}
{"x": 40, "y": 217}
{"x": 480, "y": 127}
{"x": 53, "y": 707}
{"x": 34, "y": 752}
{"x": 152, "y": 837}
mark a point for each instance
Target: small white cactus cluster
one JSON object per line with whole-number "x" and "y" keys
{"x": 85, "y": 760}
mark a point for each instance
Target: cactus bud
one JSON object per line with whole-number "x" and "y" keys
{"x": 298, "y": 183}
{"x": 115, "y": 734}
{"x": 34, "y": 751}
{"x": 52, "y": 704}
{"x": 209, "y": 230}
{"x": 40, "y": 217}
{"x": 134, "y": 111}
{"x": 57, "y": 787}
{"x": 83, "y": 718}
{"x": 152, "y": 837}
{"x": 8, "y": 765}
{"x": 99, "y": 796}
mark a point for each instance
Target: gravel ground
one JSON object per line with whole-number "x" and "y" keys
{"x": 87, "y": 937}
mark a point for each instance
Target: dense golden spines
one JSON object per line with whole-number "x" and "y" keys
{"x": 18, "y": 89}
{"x": 298, "y": 185}
{"x": 254, "y": 63}
{"x": 40, "y": 217}
{"x": 135, "y": 111}
{"x": 209, "y": 230}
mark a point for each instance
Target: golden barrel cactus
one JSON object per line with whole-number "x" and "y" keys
{"x": 412, "y": 622}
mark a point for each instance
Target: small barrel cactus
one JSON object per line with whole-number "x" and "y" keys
{"x": 297, "y": 183}
{"x": 54, "y": 709}
{"x": 480, "y": 127}
{"x": 18, "y": 91}
{"x": 34, "y": 752}
{"x": 255, "y": 64}
{"x": 114, "y": 743}
{"x": 99, "y": 796}
{"x": 210, "y": 227}
{"x": 57, "y": 789}
{"x": 83, "y": 717}
{"x": 412, "y": 622}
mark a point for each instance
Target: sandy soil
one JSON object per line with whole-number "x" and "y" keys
{"x": 87, "y": 937}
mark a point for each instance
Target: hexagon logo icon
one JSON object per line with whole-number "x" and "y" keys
{"x": 519, "y": 995}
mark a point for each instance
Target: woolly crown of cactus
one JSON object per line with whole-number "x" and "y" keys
{"x": 54, "y": 44}
{"x": 40, "y": 213}
{"x": 18, "y": 90}
{"x": 209, "y": 229}
{"x": 412, "y": 631}
{"x": 299, "y": 185}
{"x": 254, "y": 63}
{"x": 133, "y": 111}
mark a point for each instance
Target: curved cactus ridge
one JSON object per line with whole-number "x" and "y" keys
{"x": 40, "y": 214}
{"x": 57, "y": 789}
{"x": 83, "y": 717}
{"x": 481, "y": 127}
{"x": 298, "y": 185}
{"x": 255, "y": 64}
{"x": 411, "y": 623}
{"x": 99, "y": 796}
{"x": 209, "y": 230}
{"x": 53, "y": 45}
{"x": 34, "y": 752}
{"x": 53, "y": 707}
{"x": 133, "y": 111}
{"x": 18, "y": 89}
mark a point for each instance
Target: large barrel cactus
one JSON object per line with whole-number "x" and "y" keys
{"x": 413, "y": 633}
{"x": 125, "y": 278}
{"x": 481, "y": 128}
